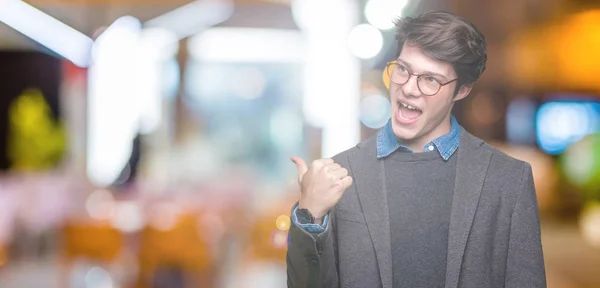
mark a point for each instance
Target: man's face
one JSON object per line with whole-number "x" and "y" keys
{"x": 430, "y": 119}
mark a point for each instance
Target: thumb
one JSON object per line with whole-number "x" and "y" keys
{"x": 301, "y": 165}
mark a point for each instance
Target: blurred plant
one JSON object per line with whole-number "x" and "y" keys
{"x": 581, "y": 165}
{"x": 35, "y": 141}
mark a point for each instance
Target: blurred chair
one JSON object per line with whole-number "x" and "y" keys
{"x": 3, "y": 255}
{"x": 263, "y": 262}
{"x": 268, "y": 236}
{"x": 95, "y": 241}
{"x": 267, "y": 242}
{"x": 177, "y": 249}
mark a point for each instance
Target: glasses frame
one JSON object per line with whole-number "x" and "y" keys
{"x": 419, "y": 76}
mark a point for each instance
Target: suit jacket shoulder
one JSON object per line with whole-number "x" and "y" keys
{"x": 498, "y": 155}
{"x": 508, "y": 174}
{"x": 512, "y": 169}
{"x": 499, "y": 159}
{"x": 362, "y": 147}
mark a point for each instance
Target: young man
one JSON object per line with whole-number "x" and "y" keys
{"x": 424, "y": 203}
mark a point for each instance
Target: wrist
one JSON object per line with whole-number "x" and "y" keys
{"x": 319, "y": 221}
{"x": 306, "y": 216}
{"x": 316, "y": 213}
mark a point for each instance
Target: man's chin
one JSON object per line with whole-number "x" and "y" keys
{"x": 405, "y": 133}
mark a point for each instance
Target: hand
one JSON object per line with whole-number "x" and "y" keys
{"x": 322, "y": 185}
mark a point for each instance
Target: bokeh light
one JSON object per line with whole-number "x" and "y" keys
{"x": 589, "y": 223}
{"x": 381, "y": 13}
{"x": 279, "y": 238}
{"x": 375, "y": 110}
{"x": 560, "y": 124}
{"x": 581, "y": 163}
{"x": 100, "y": 204}
{"x": 365, "y": 41}
{"x": 97, "y": 277}
{"x": 128, "y": 217}
{"x": 283, "y": 222}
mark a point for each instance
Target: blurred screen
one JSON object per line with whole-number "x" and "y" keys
{"x": 560, "y": 123}
{"x": 253, "y": 112}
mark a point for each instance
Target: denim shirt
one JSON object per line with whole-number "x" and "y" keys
{"x": 387, "y": 143}
{"x": 446, "y": 144}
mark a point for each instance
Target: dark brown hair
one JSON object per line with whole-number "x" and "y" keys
{"x": 446, "y": 37}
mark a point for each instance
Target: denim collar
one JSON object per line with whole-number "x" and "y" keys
{"x": 446, "y": 144}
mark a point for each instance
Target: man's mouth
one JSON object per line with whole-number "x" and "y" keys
{"x": 408, "y": 112}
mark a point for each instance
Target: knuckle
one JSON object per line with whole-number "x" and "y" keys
{"x": 337, "y": 183}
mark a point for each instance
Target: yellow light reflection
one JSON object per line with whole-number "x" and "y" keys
{"x": 283, "y": 223}
{"x": 589, "y": 222}
{"x": 559, "y": 55}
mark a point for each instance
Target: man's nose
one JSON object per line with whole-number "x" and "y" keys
{"x": 411, "y": 87}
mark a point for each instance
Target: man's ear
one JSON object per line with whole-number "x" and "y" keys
{"x": 463, "y": 92}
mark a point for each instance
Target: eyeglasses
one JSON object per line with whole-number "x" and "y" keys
{"x": 427, "y": 84}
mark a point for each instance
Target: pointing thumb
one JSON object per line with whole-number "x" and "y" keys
{"x": 301, "y": 165}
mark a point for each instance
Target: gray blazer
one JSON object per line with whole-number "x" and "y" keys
{"x": 494, "y": 236}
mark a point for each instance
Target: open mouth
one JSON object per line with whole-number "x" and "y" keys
{"x": 407, "y": 113}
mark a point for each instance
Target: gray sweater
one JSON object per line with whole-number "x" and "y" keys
{"x": 420, "y": 189}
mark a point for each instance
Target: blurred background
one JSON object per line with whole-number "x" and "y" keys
{"x": 146, "y": 143}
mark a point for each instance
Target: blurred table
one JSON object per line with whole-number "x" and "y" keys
{"x": 570, "y": 261}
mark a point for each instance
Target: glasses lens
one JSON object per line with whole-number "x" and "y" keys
{"x": 398, "y": 74}
{"x": 428, "y": 85}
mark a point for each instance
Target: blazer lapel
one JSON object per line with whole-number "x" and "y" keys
{"x": 369, "y": 179}
{"x": 471, "y": 169}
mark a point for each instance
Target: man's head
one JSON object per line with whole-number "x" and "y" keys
{"x": 450, "y": 54}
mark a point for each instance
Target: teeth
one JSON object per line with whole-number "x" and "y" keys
{"x": 408, "y": 106}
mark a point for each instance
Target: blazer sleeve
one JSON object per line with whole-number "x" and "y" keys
{"x": 525, "y": 261}
{"x": 312, "y": 258}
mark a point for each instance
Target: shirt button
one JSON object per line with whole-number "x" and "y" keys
{"x": 431, "y": 148}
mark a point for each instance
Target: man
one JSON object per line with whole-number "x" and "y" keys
{"x": 424, "y": 203}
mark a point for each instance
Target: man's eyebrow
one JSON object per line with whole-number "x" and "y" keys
{"x": 424, "y": 72}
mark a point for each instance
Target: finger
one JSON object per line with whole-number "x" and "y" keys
{"x": 338, "y": 174}
{"x": 334, "y": 166}
{"x": 346, "y": 182}
{"x": 319, "y": 164}
{"x": 301, "y": 165}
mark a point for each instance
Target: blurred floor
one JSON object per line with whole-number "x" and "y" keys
{"x": 570, "y": 263}
{"x": 30, "y": 275}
